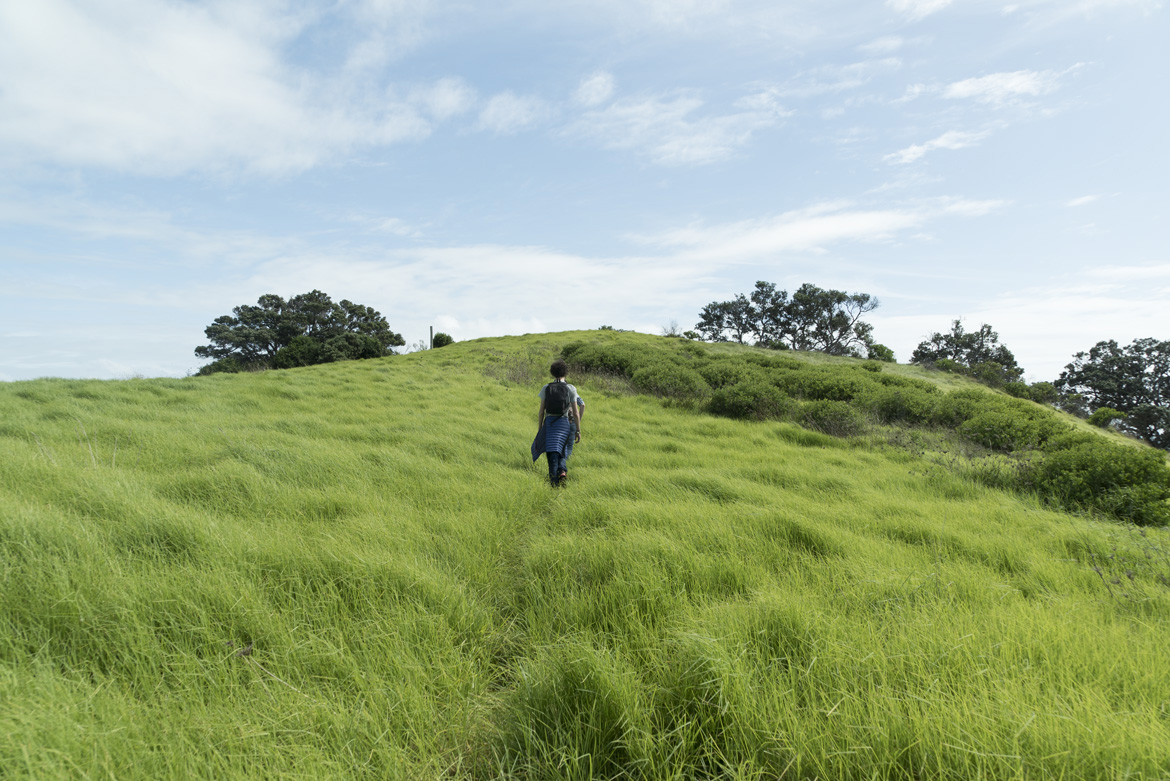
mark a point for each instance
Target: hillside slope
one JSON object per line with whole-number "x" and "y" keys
{"x": 354, "y": 570}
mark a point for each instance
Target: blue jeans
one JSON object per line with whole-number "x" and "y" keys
{"x": 557, "y": 463}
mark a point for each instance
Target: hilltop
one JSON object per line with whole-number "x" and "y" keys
{"x": 354, "y": 570}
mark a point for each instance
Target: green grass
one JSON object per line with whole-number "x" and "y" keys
{"x": 708, "y": 598}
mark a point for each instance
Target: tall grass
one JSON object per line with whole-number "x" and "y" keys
{"x": 355, "y": 570}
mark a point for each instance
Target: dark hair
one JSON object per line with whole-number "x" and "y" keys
{"x": 559, "y": 368}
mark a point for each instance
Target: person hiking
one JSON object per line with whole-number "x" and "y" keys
{"x": 558, "y": 422}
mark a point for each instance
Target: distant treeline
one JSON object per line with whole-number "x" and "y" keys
{"x": 1126, "y": 388}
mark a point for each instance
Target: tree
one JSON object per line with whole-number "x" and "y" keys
{"x": 1134, "y": 380}
{"x": 829, "y": 321}
{"x": 712, "y": 325}
{"x": 976, "y": 353}
{"x": 307, "y": 329}
{"x": 442, "y": 340}
{"x": 812, "y": 318}
{"x": 769, "y": 313}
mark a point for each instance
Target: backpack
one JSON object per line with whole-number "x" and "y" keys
{"x": 557, "y": 398}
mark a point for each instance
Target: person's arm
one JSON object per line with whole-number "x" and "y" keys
{"x": 577, "y": 415}
{"x": 540, "y": 416}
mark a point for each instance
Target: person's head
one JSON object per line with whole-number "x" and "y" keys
{"x": 559, "y": 369}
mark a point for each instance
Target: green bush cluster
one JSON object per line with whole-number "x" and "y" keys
{"x": 1087, "y": 472}
{"x": 1039, "y": 392}
{"x": 751, "y": 398}
{"x": 677, "y": 382}
{"x": 836, "y": 418}
{"x": 1103, "y": 416}
{"x": 1080, "y": 472}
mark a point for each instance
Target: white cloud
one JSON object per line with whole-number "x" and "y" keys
{"x": 887, "y": 44}
{"x": 1155, "y": 271}
{"x": 395, "y": 227}
{"x": 1064, "y": 9}
{"x": 917, "y": 9}
{"x": 837, "y": 78}
{"x": 913, "y": 92}
{"x": 391, "y": 29}
{"x": 766, "y": 101}
{"x": 674, "y": 13}
{"x": 508, "y": 113}
{"x": 809, "y": 230}
{"x": 1084, "y": 200}
{"x": 671, "y": 131}
{"x": 594, "y": 90}
{"x": 444, "y": 99}
{"x": 952, "y": 139}
{"x": 1000, "y": 88}
{"x": 637, "y": 15}
{"x": 167, "y": 88}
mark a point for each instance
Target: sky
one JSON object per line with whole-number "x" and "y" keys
{"x": 518, "y": 167}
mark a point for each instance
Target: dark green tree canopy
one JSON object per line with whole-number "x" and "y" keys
{"x": 977, "y": 353}
{"x": 442, "y": 340}
{"x": 1134, "y": 380}
{"x": 306, "y": 329}
{"x": 1123, "y": 378}
{"x": 812, "y": 318}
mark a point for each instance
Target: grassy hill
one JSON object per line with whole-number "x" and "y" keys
{"x": 354, "y": 570}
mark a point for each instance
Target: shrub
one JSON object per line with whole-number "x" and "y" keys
{"x": 1143, "y": 505}
{"x": 894, "y": 381}
{"x": 999, "y": 430}
{"x": 1003, "y": 424}
{"x": 948, "y": 365}
{"x": 1043, "y": 392}
{"x": 774, "y": 361}
{"x": 593, "y": 357}
{"x": 839, "y": 384}
{"x": 835, "y": 418}
{"x": 879, "y": 352}
{"x": 442, "y": 340}
{"x": 990, "y": 373}
{"x": 1104, "y": 416}
{"x": 752, "y": 398}
{"x": 570, "y": 350}
{"x": 958, "y": 406}
{"x": 229, "y": 365}
{"x": 1017, "y": 389}
{"x": 899, "y": 404}
{"x": 671, "y": 380}
{"x": 1095, "y": 474}
{"x": 720, "y": 374}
